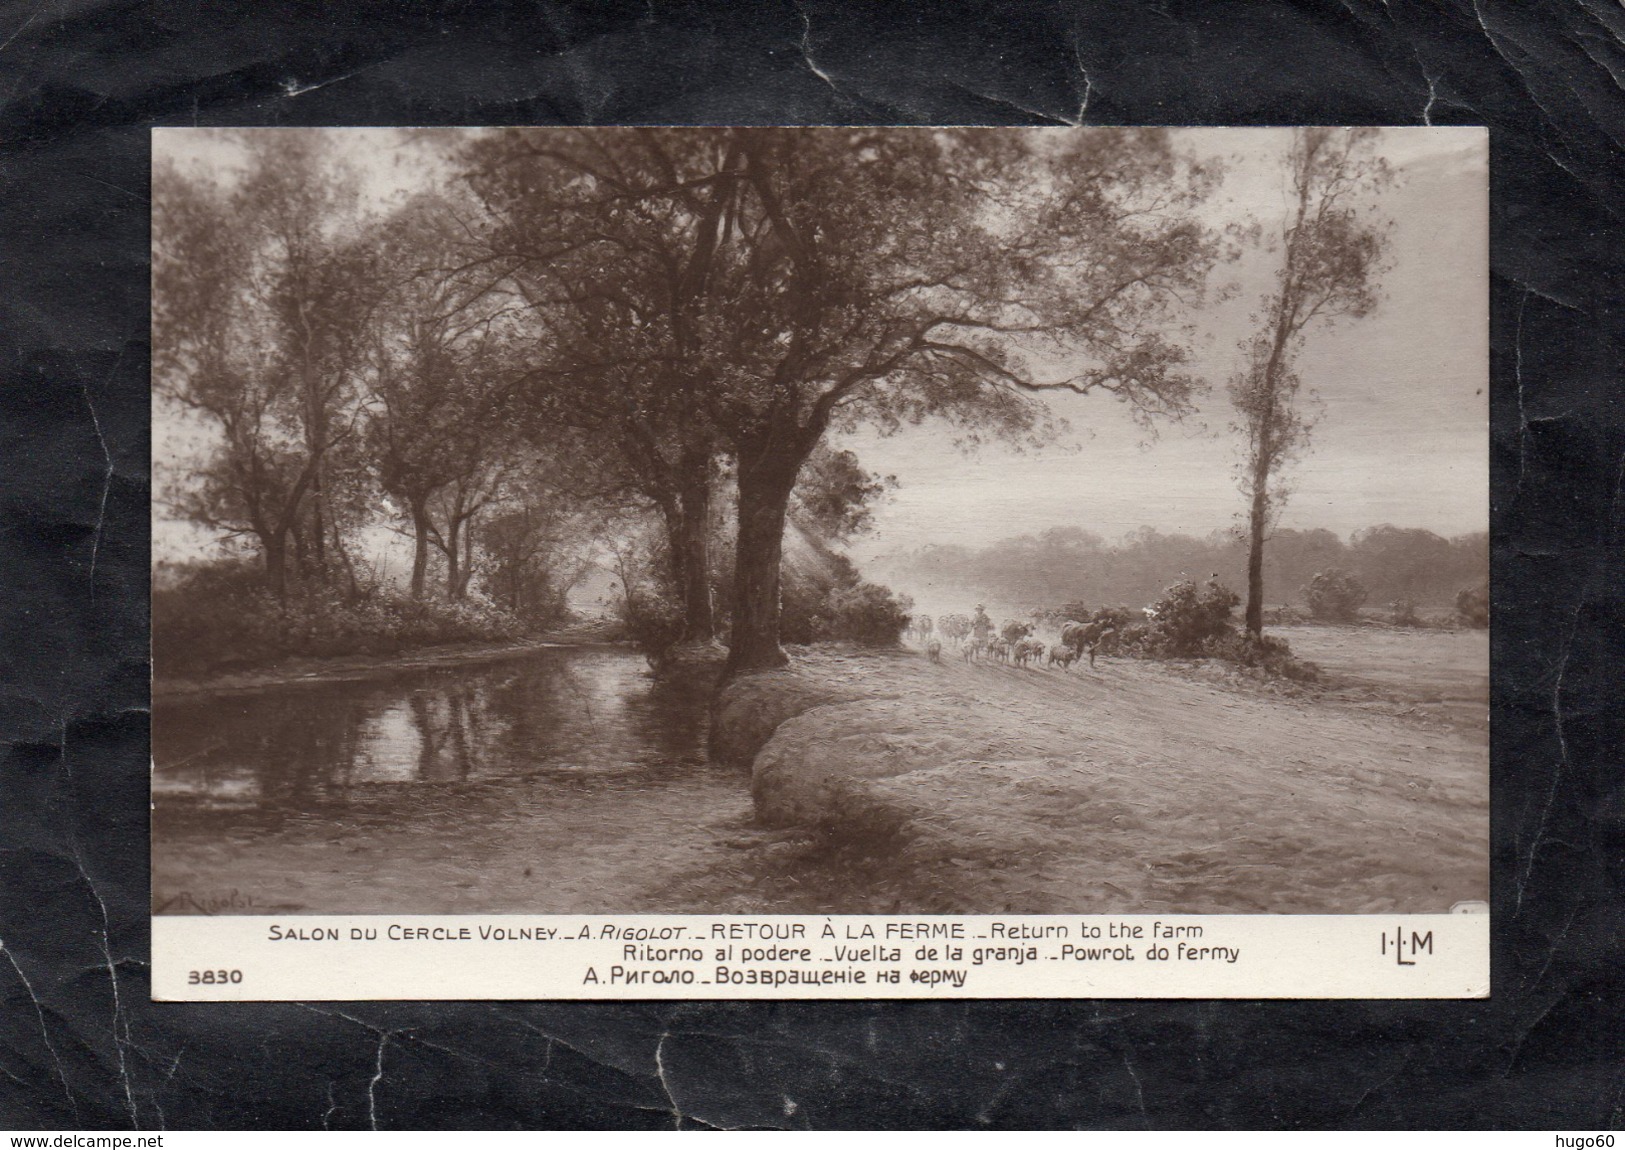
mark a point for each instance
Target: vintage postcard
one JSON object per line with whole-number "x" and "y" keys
{"x": 820, "y": 563}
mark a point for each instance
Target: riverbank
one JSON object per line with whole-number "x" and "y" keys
{"x": 961, "y": 788}
{"x": 561, "y": 774}
{"x": 342, "y": 668}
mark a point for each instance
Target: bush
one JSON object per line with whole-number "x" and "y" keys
{"x": 1187, "y": 617}
{"x": 868, "y": 614}
{"x": 1195, "y": 622}
{"x": 1139, "y": 640}
{"x": 1473, "y": 606}
{"x": 1265, "y": 652}
{"x": 653, "y": 622}
{"x": 834, "y": 603}
{"x": 1335, "y": 595}
{"x": 1402, "y": 613}
{"x": 217, "y": 616}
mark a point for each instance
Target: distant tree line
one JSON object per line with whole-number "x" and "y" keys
{"x": 1071, "y": 565}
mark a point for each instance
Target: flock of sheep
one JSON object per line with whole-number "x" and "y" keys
{"x": 1012, "y": 644}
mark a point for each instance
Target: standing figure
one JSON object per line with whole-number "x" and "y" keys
{"x": 981, "y": 626}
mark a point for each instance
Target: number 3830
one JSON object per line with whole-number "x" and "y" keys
{"x": 213, "y": 977}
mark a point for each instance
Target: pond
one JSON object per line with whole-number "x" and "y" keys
{"x": 568, "y": 779}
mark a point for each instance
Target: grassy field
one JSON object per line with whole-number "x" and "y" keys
{"x": 1438, "y": 674}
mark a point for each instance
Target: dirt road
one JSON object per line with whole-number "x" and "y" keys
{"x": 1134, "y": 787}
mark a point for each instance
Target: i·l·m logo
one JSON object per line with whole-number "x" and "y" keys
{"x": 1406, "y": 949}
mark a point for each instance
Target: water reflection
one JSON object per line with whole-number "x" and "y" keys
{"x": 300, "y": 751}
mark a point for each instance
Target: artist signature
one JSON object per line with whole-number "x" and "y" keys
{"x": 213, "y": 903}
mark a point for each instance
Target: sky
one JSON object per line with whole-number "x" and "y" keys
{"x": 1403, "y": 432}
{"x": 1402, "y": 435}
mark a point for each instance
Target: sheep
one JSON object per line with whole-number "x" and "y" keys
{"x": 933, "y": 650}
{"x": 954, "y": 628}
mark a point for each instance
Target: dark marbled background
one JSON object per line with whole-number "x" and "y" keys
{"x": 82, "y": 81}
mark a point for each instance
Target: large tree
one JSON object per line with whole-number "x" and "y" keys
{"x": 440, "y": 420}
{"x": 260, "y": 289}
{"x": 609, "y": 236}
{"x": 882, "y": 276}
{"x": 1331, "y": 249}
{"x": 705, "y": 293}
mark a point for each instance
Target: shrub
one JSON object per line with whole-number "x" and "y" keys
{"x": 835, "y": 603}
{"x": 1335, "y": 595}
{"x": 1402, "y": 613}
{"x": 1265, "y": 652}
{"x": 1195, "y": 622}
{"x": 653, "y": 622}
{"x": 1137, "y": 639}
{"x": 214, "y": 616}
{"x": 1188, "y": 616}
{"x": 1473, "y": 606}
{"x": 868, "y": 614}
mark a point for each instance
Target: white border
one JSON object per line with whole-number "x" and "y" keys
{"x": 664, "y": 957}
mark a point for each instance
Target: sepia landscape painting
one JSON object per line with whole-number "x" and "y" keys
{"x": 820, "y": 520}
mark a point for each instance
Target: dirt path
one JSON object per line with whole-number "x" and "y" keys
{"x": 1131, "y": 788}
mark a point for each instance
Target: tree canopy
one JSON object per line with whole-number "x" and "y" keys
{"x": 666, "y": 320}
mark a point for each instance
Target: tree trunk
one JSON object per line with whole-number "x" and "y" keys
{"x": 338, "y": 549}
{"x": 468, "y": 558}
{"x": 692, "y": 554}
{"x": 1265, "y": 449}
{"x": 420, "y": 547}
{"x": 454, "y": 568}
{"x": 1255, "y": 557}
{"x": 276, "y": 564}
{"x": 318, "y": 528}
{"x": 764, "y": 499}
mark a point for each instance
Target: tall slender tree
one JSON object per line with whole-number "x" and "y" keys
{"x": 1332, "y": 245}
